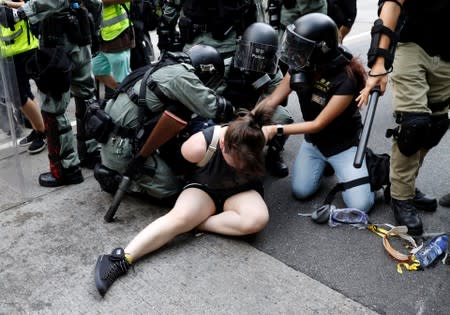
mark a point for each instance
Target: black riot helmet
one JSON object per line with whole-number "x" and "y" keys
{"x": 311, "y": 44}
{"x": 311, "y": 41}
{"x": 257, "y": 49}
{"x": 208, "y": 64}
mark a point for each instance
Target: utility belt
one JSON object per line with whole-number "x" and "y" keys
{"x": 73, "y": 24}
{"x": 189, "y": 30}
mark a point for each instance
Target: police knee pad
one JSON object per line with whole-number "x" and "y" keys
{"x": 439, "y": 126}
{"x": 414, "y": 131}
{"x": 108, "y": 179}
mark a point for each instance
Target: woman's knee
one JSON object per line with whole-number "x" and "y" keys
{"x": 255, "y": 223}
{"x": 302, "y": 192}
{"x": 361, "y": 201}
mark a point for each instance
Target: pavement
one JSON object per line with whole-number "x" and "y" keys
{"x": 51, "y": 237}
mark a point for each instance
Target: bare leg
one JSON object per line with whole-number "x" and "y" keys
{"x": 32, "y": 111}
{"x": 193, "y": 206}
{"x": 244, "y": 213}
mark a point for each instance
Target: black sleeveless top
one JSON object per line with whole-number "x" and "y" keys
{"x": 217, "y": 174}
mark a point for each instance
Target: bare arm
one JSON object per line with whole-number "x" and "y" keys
{"x": 194, "y": 148}
{"x": 334, "y": 108}
{"x": 278, "y": 95}
{"x": 389, "y": 15}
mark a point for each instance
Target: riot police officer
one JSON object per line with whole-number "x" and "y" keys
{"x": 253, "y": 75}
{"x": 183, "y": 83}
{"x": 63, "y": 67}
{"x": 420, "y": 66}
{"x": 214, "y": 23}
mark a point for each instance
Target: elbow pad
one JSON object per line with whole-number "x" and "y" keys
{"x": 224, "y": 111}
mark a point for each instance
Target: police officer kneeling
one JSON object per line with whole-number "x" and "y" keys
{"x": 182, "y": 83}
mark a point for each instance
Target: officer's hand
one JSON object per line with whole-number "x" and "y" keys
{"x": 8, "y": 17}
{"x": 378, "y": 77}
{"x": 135, "y": 167}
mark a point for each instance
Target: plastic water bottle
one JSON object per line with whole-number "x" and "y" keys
{"x": 432, "y": 249}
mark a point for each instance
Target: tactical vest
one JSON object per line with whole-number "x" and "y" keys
{"x": 115, "y": 21}
{"x": 18, "y": 41}
{"x": 241, "y": 89}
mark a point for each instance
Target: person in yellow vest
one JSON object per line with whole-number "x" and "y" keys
{"x": 19, "y": 44}
{"x": 111, "y": 64}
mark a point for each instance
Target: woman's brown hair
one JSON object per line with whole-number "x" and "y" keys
{"x": 245, "y": 140}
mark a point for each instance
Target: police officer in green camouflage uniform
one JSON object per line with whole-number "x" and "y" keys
{"x": 293, "y": 9}
{"x": 213, "y": 23}
{"x": 184, "y": 82}
{"x": 65, "y": 30}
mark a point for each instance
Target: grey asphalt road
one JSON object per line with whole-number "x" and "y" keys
{"x": 344, "y": 258}
{"x": 292, "y": 249}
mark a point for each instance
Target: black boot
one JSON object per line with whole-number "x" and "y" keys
{"x": 406, "y": 214}
{"x": 275, "y": 164}
{"x": 69, "y": 176}
{"x": 445, "y": 200}
{"x": 89, "y": 160}
{"x": 109, "y": 268}
{"x": 424, "y": 203}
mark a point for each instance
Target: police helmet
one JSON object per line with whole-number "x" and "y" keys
{"x": 311, "y": 41}
{"x": 257, "y": 49}
{"x": 208, "y": 64}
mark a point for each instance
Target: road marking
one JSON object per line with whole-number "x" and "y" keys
{"x": 355, "y": 37}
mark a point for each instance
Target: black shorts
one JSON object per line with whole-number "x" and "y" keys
{"x": 219, "y": 196}
{"x": 23, "y": 79}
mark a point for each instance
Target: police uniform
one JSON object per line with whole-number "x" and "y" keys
{"x": 177, "y": 82}
{"x": 214, "y": 23}
{"x": 421, "y": 95}
{"x": 293, "y": 9}
{"x": 56, "y": 18}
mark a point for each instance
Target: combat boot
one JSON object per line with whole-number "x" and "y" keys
{"x": 109, "y": 268}
{"x": 275, "y": 164}
{"x": 445, "y": 200}
{"x": 89, "y": 160}
{"x": 405, "y": 213}
{"x": 69, "y": 176}
{"x": 424, "y": 203}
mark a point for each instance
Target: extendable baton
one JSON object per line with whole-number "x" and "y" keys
{"x": 368, "y": 120}
{"x": 123, "y": 187}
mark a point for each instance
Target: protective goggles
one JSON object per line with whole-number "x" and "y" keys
{"x": 296, "y": 50}
{"x": 256, "y": 57}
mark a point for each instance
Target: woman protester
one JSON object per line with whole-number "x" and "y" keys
{"x": 327, "y": 80}
{"x": 224, "y": 196}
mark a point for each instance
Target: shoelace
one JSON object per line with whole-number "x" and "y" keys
{"x": 117, "y": 268}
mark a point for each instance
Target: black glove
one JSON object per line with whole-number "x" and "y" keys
{"x": 9, "y": 17}
{"x": 135, "y": 167}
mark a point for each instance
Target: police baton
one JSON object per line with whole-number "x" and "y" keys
{"x": 368, "y": 120}
{"x": 123, "y": 187}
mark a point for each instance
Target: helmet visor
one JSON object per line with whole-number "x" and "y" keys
{"x": 295, "y": 50}
{"x": 256, "y": 57}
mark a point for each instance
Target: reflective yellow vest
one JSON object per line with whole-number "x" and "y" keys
{"x": 115, "y": 21}
{"x": 18, "y": 41}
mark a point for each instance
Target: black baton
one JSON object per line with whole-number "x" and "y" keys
{"x": 123, "y": 187}
{"x": 368, "y": 120}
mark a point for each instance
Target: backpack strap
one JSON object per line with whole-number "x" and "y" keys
{"x": 344, "y": 186}
{"x": 211, "y": 148}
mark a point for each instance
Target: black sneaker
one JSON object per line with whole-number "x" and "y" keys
{"x": 38, "y": 144}
{"x": 109, "y": 268}
{"x": 28, "y": 139}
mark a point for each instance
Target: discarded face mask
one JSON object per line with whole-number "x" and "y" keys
{"x": 351, "y": 216}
